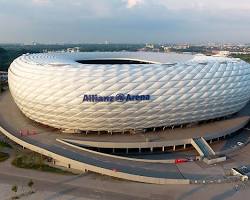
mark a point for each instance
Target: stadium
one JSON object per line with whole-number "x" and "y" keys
{"x": 174, "y": 109}
{"x": 127, "y": 91}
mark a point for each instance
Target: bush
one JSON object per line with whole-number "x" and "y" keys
{"x": 4, "y": 144}
{"x": 35, "y": 161}
{"x": 30, "y": 185}
{"x": 245, "y": 57}
{"x": 3, "y": 156}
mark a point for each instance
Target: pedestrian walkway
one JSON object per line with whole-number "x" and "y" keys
{"x": 203, "y": 147}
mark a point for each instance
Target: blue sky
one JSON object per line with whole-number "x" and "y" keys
{"x": 124, "y": 21}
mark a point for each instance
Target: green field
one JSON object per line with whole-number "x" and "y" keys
{"x": 9, "y": 52}
{"x": 36, "y": 162}
{"x": 243, "y": 57}
{"x": 4, "y": 144}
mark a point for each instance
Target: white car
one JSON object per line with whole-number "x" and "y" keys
{"x": 240, "y": 143}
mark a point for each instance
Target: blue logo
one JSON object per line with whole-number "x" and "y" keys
{"x": 117, "y": 98}
{"x": 120, "y": 97}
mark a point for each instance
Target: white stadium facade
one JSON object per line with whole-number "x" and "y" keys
{"x": 124, "y": 91}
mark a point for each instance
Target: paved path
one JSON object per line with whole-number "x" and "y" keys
{"x": 95, "y": 187}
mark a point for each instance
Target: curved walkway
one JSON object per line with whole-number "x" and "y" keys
{"x": 116, "y": 156}
{"x": 82, "y": 162}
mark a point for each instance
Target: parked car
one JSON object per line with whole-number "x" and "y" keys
{"x": 240, "y": 143}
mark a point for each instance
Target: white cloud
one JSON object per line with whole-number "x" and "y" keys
{"x": 41, "y": 2}
{"x": 133, "y": 3}
{"x": 203, "y": 4}
{"x": 120, "y": 20}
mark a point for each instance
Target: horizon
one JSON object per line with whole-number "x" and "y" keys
{"x": 142, "y": 43}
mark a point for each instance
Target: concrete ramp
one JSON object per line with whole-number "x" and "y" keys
{"x": 202, "y": 147}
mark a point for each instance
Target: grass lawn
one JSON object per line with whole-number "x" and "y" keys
{"x": 4, "y": 144}
{"x": 245, "y": 57}
{"x": 3, "y": 156}
{"x": 35, "y": 161}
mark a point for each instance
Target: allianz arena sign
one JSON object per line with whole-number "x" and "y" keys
{"x": 117, "y": 98}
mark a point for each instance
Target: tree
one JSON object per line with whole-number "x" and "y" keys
{"x": 30, "y": 185}
{"x": 0, "y": 86}
{"x": 14, "y": 189}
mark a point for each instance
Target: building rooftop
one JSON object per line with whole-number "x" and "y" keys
{"x": 117, "y": 58}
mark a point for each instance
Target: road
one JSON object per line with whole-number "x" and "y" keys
{"x": 92, "y": 186}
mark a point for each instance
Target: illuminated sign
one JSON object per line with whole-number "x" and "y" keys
{"x": 117, "y": 98}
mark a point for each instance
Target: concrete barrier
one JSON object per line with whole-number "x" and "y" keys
{"x": 214, "y": 160}
{"x": 83, "y": 166}
{"x": 115, "y": 156}
{"x": 242, "y": 176}
{"x": 128, "y": 145}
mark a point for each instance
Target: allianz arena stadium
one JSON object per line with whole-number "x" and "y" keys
{"x": 124, "y": 91}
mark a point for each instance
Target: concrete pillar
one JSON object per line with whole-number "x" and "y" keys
{"x": 184, "y": 146}
{"x": 86, "y": 132}
{"x": 154, "y": 130}
{"x": 210, "y": 141}
{"x": 113, "y": 150}
{"x": 163, "y": 148}
{"x": 139, "y": 150}
{"x": 151, "y": 149}
{"x": 174, "y": 148}
{"x": 164, "y": 128}
{"x": 127, "y": 151}
{"x": 218, "y": 139}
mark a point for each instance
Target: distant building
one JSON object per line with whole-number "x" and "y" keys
{"x": 69, "y": 50}
{"x": 74, "y": 49}
{"x": 165, "y": 49}
{"x": 221, "y": 53}
{"x": 149, "y": 46}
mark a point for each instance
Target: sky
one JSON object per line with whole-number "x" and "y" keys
{"x": 125, "y": 21}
